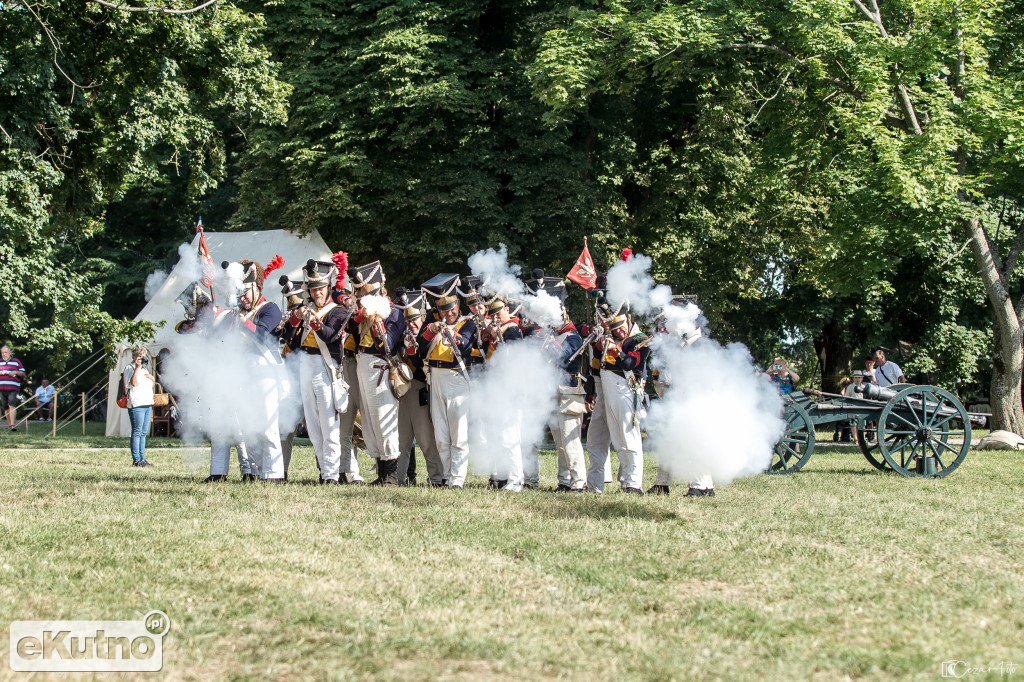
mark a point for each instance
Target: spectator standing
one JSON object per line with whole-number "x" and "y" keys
{"x": 138, "y": 383}
{"x": 782, "y": 376}
{"x": 869, "y": 369}
{"x": 11, "y": 374}
{"x": 45, "y": 394}
{"x": 851, "y": 392}
{"x": 887, "y": 373}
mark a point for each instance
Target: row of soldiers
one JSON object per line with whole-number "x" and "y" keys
{"x": 402, "y": 370}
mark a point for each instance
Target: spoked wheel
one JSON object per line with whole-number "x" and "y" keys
{"x": 870, "y": 447}
{"x": 797, "y": 443}
{"x": 924, "y": 432}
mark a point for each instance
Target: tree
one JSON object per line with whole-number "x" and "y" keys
{"x": 94, "y": 101}
{"x": 896, "y": 125}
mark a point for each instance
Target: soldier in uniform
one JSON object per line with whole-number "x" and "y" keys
{"x": 503, "y": 430}
{"x": 445, "y": 347}
{"x": 342, "y": 295}
{"x": 379, "y": 335}
{"x": 624, "y": 356}
{"x": 703, "y": 486}
{"x": 567, "y": 422}
{"x": 201, "y": 317}
{"x": 414, "y": 406}
{"x": 262, "y": 317}
{"x": 314, "y": 330}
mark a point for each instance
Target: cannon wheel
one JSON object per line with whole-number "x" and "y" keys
{"x": 870, "y": 448}
{"x": 908, "y": 433}
{"x": 797, "y": 443}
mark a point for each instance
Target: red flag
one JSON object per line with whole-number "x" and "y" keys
{"x": 205, "y": 259}
{"x": 583, "y": 272}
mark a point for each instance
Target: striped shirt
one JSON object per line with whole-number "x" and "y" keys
{"x": 8, "y": 382}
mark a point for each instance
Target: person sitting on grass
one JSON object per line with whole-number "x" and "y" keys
{"x": 44, "y": 400}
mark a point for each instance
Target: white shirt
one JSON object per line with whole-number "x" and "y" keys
{"x": 888, "y": 374}
{"x": 141, "y": 394}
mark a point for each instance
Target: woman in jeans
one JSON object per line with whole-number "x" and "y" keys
{"x": 138, "y": 383}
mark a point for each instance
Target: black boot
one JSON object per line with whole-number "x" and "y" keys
{"x": 215, "y": 478}
{"x": 328, "y": 481}
{"x": 387, "y": 473}
{"x": 658, "y": 490}
{"x": 700, "y": 492}
{"x": 249, "y": 478}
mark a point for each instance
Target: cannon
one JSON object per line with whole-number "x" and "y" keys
{"x": 917, "y": 431}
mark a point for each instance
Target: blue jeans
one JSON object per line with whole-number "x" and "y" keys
{"x": 139, "y": 417}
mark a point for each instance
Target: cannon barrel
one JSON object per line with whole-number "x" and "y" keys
{"x": 875, "y": 392}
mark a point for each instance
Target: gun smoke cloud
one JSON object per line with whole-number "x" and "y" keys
{"x": 718, "y": 417}
{"x": 712, "y": 390}
{"x": 515, "y": 390}
{"x": 502, "y": 278}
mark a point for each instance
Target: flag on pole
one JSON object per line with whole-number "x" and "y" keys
{"x": 205, "y": 259}
{"x": 583, "y": 272}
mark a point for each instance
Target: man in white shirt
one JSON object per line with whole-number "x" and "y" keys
{"x": 887, "y": 373}
{"x": 44, "y": 400}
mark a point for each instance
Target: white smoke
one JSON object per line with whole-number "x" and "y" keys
{"x": 220, "y": 379}
{"x": 683, "y": 321}
{"x": 154, "y": 281}
{"x": 502, "y": 278}
{"x": 376, "y": 305}
{"x": 543, "y": 308}
{"x": 227, "y": 284}
{"x": 513, "y": 395}
{"x": 188, "y": 265}
{"x": 717, "y": 417}
{"x": 493, "y": 269}
{"x": 630, "y": 281}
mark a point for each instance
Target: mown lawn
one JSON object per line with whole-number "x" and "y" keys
{"x": 838, "y": 571}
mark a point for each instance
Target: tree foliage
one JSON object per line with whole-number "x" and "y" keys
{"x": 94, "y": 101}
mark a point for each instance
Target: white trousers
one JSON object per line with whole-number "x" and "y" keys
{"x": 265, "y": 446}
{"x": 599, "y": 470}
{"x": 220, "y": 458}
{"x": 414, "y": 426}
{"x": 449, "y": 410}
{"x": 566, "y": 429}
{"x": 321, "y": 417}
{"x": 378, "y": 407}
{"x": 506, "y": 434}
{"x": 618, "y": 399}
{"x": 347, "y": 420}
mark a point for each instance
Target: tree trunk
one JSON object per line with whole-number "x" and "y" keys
{"x": 1008, "y": 359}
{"x": 1007, "y": 365}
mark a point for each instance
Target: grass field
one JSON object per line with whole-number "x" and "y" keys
{"x": 838, "y": 571}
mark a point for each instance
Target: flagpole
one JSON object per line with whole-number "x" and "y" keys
{"x": 199, "y": 256}
{"x": 587, "y": 291}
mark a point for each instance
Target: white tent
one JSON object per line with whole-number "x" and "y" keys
{"x": 224, "y": 246}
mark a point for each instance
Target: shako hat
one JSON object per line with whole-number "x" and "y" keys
{"x": 446, "y": 303}
{"x": 554, "y": 286}
{"x": 317, "y": 273}
{"x": 192, "y": 299}
{"x": 441, "y": 285}
{"x": 617, "y": 322}
{"x": 368, "y": 279}
{"x": 292, "y": 292}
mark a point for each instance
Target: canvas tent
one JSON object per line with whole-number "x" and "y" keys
{"x": 230, "y": 246}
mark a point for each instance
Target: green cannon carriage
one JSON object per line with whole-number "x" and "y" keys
{"x": 921, "y": 431}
